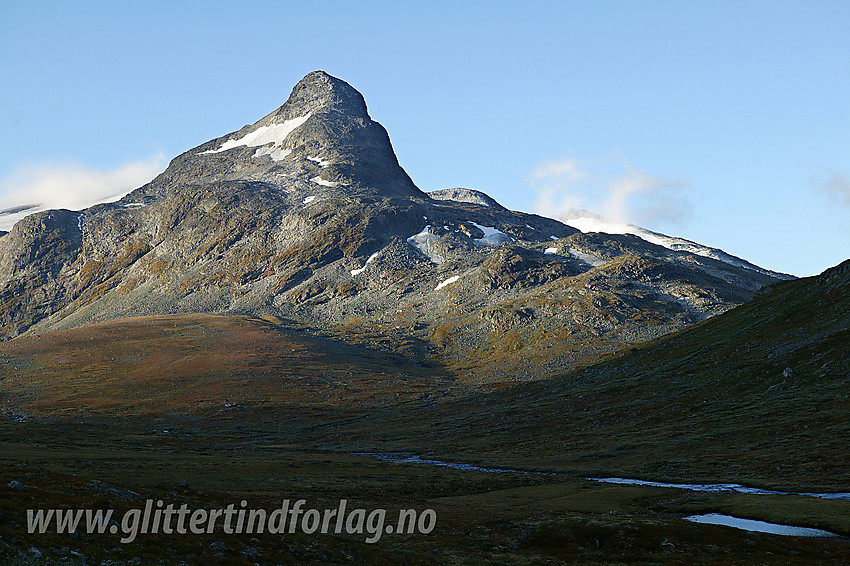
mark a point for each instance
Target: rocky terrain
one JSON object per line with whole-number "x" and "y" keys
{"x": 307, "y": 216}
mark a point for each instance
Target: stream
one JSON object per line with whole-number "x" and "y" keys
{"x": 710, "y": 518}
{"x": 721, "y": 488}
{"x": 758, "y": 526}
{"x": 407, "y": 458}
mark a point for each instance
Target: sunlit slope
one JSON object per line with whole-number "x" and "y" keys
{"x": 200, "y": 364}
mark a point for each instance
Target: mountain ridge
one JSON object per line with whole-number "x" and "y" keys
{"x": 307, "y": 215}
{"x": 590, "y": 222}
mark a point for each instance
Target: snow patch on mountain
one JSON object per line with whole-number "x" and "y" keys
{"x": 590, "y": 222}
{"x": 448, "y": 281}
{"x": 368, "y": 261}
{"x": 589, "y": 259}
{"x": 492, "y": 237}
{"x": 319, "y": 181}
{"x": 11, "y": 216}
{"x": 422, "y": 242}
{"x": 275, "y": 152}
{"x": 274, "y": 134}
{"x": 319, "y": 161}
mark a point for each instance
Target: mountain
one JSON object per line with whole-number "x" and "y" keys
{"x": 10, "y": 216}
{"x": 590, "y": 222}
{"x": 306, "y": 215}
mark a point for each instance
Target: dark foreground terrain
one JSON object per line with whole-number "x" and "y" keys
{"x": 482, "y": 517}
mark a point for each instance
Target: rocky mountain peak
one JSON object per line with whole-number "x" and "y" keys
{"x": 320, "y": 92}
{"x": 321, "y": 139}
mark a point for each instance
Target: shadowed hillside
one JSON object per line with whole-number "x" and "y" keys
{"x": 760, "y": 393}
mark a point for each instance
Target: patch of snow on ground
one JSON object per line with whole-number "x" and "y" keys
{"x": 529, "y": 226}
{"x": 422, "y": 242}
{"x": 592, "y": 223}
{"x": 134, "y": 205}
{"x": 492, "y": 237}
{"x": 448, "y": 281}
{"x": 324, "y": 183}
{"x": 276, "y": 153}
{"x": 9, "y": 219}
{"x": 553, "y": 237}
{"x": 551, "y": 251}
{"x": 319, "y": 161}
{"x": 80, "y": 222}
{"x": 273, "y": 134}
{"x": 587, "y": 224}
{"x": 368, "y": 261}
{"x": 595, "y": 225}
{"x": 11, "y": 216}
{"x": 589, "y": 259}
{"x": 310, "y": 199}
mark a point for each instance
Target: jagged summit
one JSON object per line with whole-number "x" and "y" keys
{"x": 321, "y": 138}
{"x": 321, "y": 92}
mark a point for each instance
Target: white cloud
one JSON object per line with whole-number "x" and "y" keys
{"x": 552, "y": 181}
{"x": 835, "y": 184}
{"x": 73, "y": 185}
{"x": 611, "y": 188}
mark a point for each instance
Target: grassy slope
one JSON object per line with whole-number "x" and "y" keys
{"x": 709, "y": 402}
{"x": 201, "y": 365}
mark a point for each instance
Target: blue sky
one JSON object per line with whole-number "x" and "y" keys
{"x": 727, "y": 123}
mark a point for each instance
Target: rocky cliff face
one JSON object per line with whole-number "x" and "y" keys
{"x": 307, "y": 215}
{"x": 321, "y": 140}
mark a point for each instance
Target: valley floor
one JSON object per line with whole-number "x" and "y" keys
{"x": 507, "y": 518}
{"x": 210, "y": 411}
